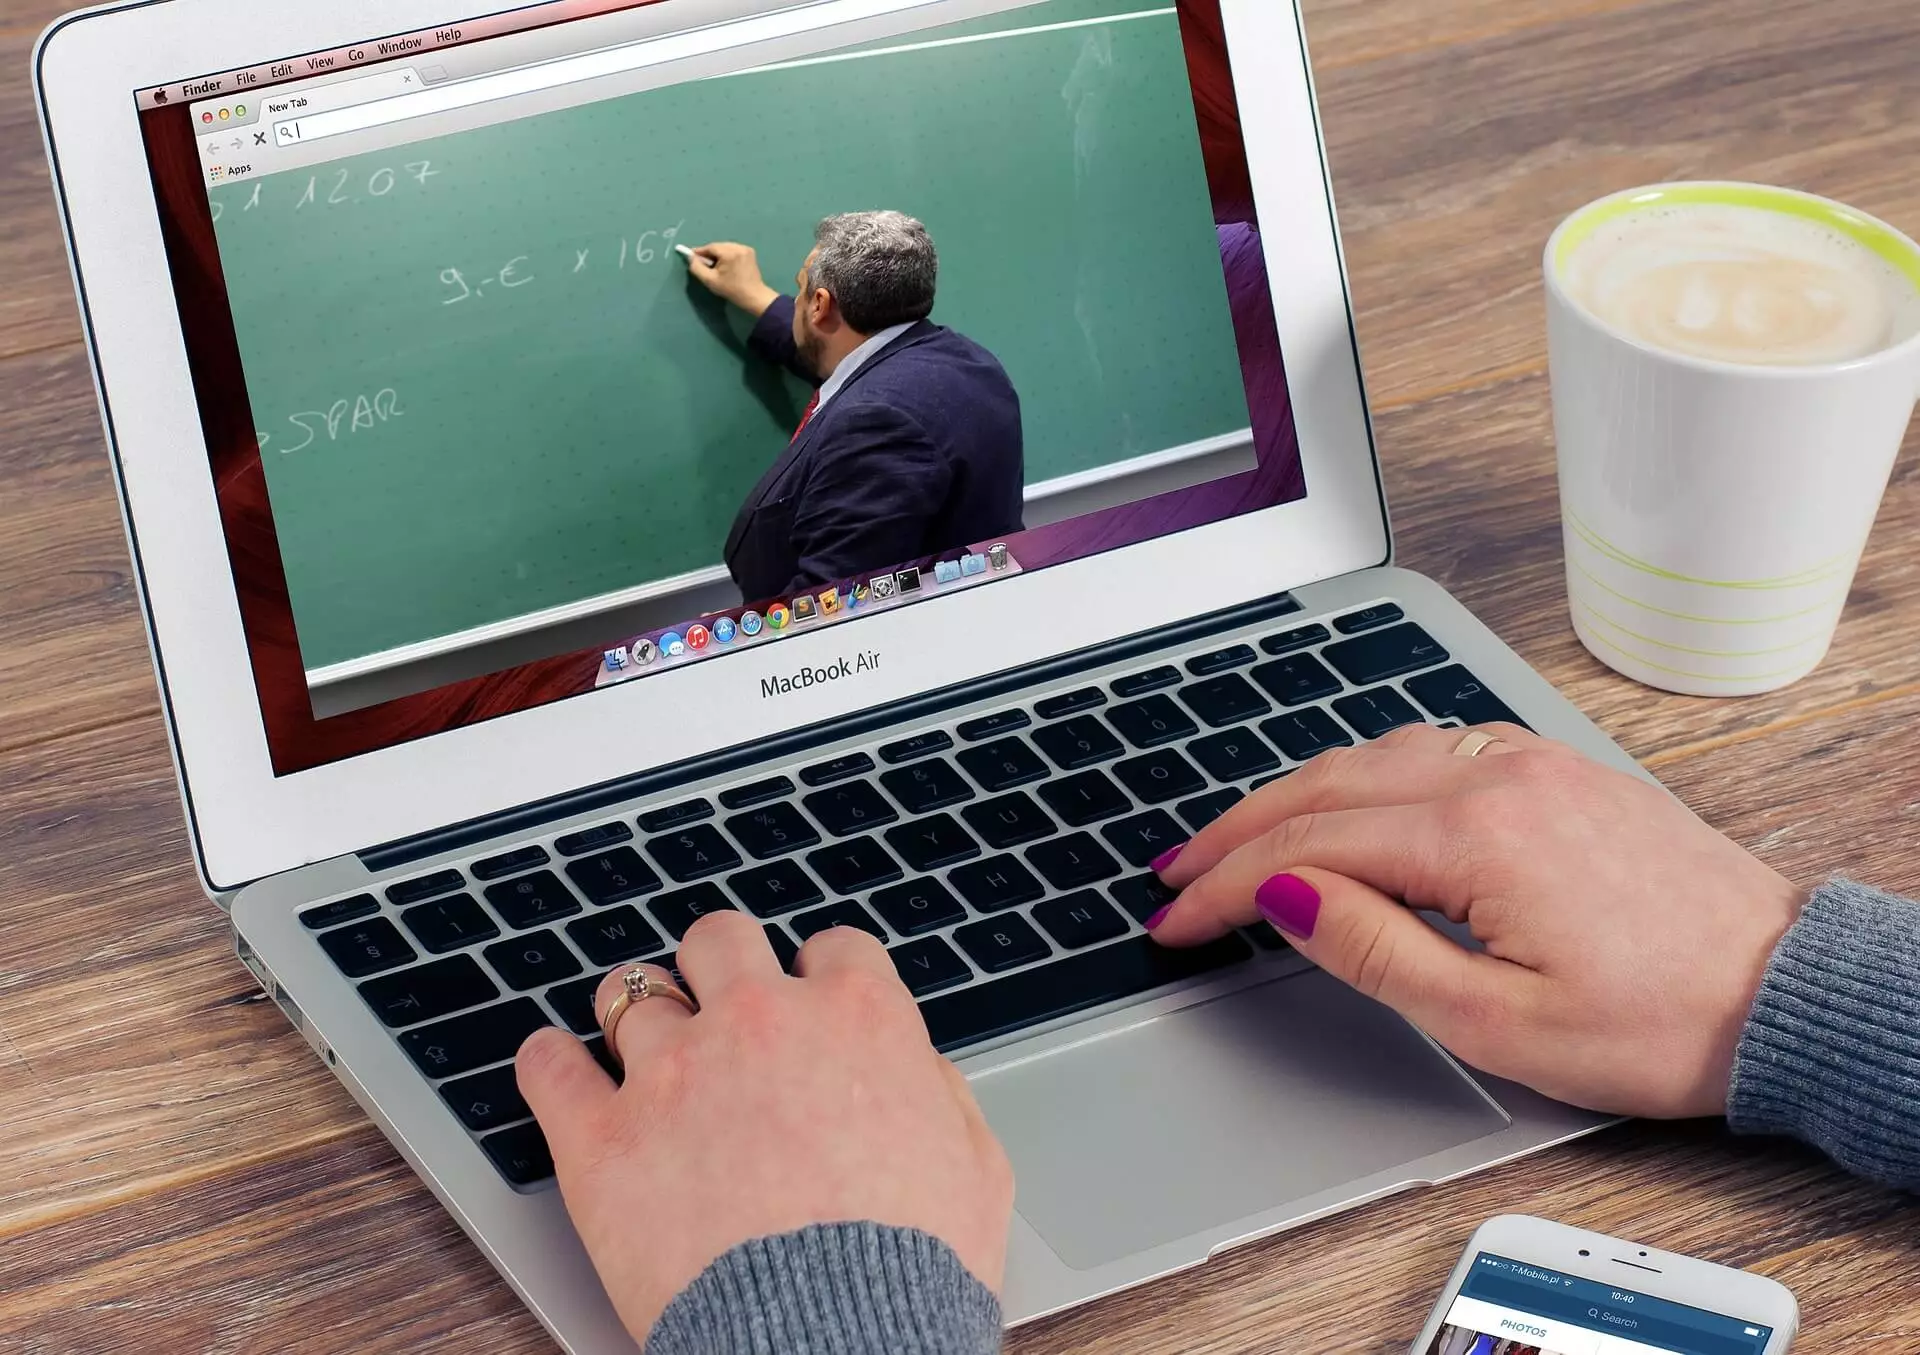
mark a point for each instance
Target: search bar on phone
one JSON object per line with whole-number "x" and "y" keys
{"x": 571, "y": 70}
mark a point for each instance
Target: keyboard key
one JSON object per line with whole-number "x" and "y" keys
{"x": 1234, "y": 755}
{"x": 1299, "y": 638}
{"x": 1003, "y": 764}
{"x": 846, "y": 913}
{"x": 1385, "y": 654}
{"x": 1009, "y": 820}
{"x": 849, "y": 808}
{"x": 1072, "y": 861}
{"x": 931, "y": 843}
{"x": 615, "y": 935}
{"x": 996, "y": 883}
{"x": 429, "y": 991}
{"x": 1264, "y": 936}
{"x": 1141, "y": 895}
{"x": 340, "y": 910}
{"x": 929, "y": 966}
{"x": 1159, "y": 777}
{"x": 425, "y": 887}
{"x": 918, "y": 906}
{"x": 839, "y": 769}
{"x": 745, "y": 797}
{"x": 1079, "y": 920}
{"x": 520, "y": 1153}
{"x": 675, "y": 816}
{"x": 1073, "y": 744}
{"x": 367, "y": 948}
{"x": 1239, "y": 656}
{"x": 448, "y": 924}
{"x": 1375, "y": 712}
{"x": 1269, "y": 780}
{"x": 854, "y": 866}
{"x": 991, "y": 726}
{"x": 592, "y": 839}
{"x": 510, "y": 863}
{"x": 1297, "y": 680}
{"x": 1224, "y": 700}
{"x": 775, "y": 888}
{"x": 684, "y": 907}
{"x": 1086, "y": 798}
{"x": 1002, "y": 943}
{"x": 1087, "y": 979}
{"x": 920, "y": 745}
{"x": 532, "y": 900}
{"x": 598, "y": 1048}
{"x": 1150, "y": 681}
{"x": 1202, "y": 810}
{"x": 462, "y": 1043}
{"x": 785, "y": 949}
{"x": 1302, "y": 733}
{"x": 486, "y": 1100}
{"x": 1152, "y": 722}
{"x": 1144, "y": 836}
{"x": 773, "y": 831}
{"x": 927, "y": 786}
{"x": 612, "y": 877}
{"x": 532, "y": 961}
{"x": 1455, "y": 693}
{"x": 1072, "y": 703}
{"x": 694, "y": 854}
{"x": 1368, "y": 618}
{"x": 573, "y": 1002}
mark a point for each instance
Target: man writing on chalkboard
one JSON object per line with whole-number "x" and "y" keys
{"x": 911, "y": 444}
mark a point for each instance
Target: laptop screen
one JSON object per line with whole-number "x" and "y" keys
{"x": 553, "y": 350}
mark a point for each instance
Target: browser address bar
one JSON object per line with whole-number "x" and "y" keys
{"x": 659, "y": 51}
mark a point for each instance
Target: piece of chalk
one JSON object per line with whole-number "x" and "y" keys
{"x": 690, "y": 256}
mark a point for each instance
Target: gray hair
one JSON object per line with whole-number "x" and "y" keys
{"x": 879, "y": 267}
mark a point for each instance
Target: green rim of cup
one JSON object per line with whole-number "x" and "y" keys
{"x": 1877, "y": 236}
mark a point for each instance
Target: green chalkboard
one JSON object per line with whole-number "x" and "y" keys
{"x": 485, "y": 385}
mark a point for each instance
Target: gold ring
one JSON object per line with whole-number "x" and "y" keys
{"x": 1476, "y": 743}
{"x": 637, "y": 985}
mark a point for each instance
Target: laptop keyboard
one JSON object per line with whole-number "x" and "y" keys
{"x": 1001, "y": 859}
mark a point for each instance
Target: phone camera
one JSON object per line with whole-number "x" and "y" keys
{"x": 1643, "y": 1253}
{"x": 1585, "y": 1252}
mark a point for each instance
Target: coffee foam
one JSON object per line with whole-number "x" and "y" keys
{"x": 1742, "y": 285}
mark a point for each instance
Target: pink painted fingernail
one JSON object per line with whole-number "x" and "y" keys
{"x": 1157, "y": 918}
{"x": 1166, "y": 858}
{"x": 1289, "y": 903}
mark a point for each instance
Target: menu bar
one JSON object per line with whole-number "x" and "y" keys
{"x": 249, "y": 79}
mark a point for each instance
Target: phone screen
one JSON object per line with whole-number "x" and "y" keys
{"x": 1508, "y": 1307}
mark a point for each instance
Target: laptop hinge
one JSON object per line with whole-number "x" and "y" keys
{"x": 529, "y": 818}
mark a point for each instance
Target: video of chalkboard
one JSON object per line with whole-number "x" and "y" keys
{"x": 648, "y": 357}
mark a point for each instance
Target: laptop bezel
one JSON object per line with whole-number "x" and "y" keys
{"x": 247, "y": 823}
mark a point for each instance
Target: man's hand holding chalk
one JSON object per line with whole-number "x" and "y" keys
{"x": 731, "y": 272}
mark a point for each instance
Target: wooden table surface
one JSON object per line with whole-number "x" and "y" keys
{"x": 179, "y": 1173}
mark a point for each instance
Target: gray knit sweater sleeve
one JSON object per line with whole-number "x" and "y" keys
{"x": 1831, "y": 1052}
{"x": 833, "y": 1289}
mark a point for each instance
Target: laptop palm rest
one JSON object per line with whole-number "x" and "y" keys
{"x": 1220, "y": 1112}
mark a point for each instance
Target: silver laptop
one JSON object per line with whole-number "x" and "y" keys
{"x": 434, "y": 460}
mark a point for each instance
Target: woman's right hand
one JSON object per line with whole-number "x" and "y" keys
{"x": 1624, "y": 938}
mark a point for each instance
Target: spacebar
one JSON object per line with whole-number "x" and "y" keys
{"x": 1066, "y": 986}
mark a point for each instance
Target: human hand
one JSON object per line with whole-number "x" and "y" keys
{"x": 1625, "y": 939}
{"x": 732, "y": 273}
{"x": 784, "y": 1102}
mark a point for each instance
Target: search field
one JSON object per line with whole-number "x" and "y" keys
{"x": 786, "y": 23}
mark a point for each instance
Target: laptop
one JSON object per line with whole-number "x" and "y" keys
{"x": 430, "y": 447}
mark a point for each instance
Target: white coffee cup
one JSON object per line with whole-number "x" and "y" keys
{"x": 1715, "y": 510}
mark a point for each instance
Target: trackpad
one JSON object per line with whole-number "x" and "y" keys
{"x": 1220, "y": 1112}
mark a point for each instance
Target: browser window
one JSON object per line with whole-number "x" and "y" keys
{"x": 510, "y": 344}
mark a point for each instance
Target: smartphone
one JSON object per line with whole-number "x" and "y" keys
{"x": 1527, "y": 1286}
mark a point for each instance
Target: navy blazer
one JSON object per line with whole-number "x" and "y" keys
{"x": 918, "y": 452}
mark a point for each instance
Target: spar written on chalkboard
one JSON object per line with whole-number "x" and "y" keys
{"x": 649, "y": 247}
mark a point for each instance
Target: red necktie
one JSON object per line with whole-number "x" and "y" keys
{"x": 812, "y": 405}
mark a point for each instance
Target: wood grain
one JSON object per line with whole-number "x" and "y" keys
{"x": 182, "y": 1174}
